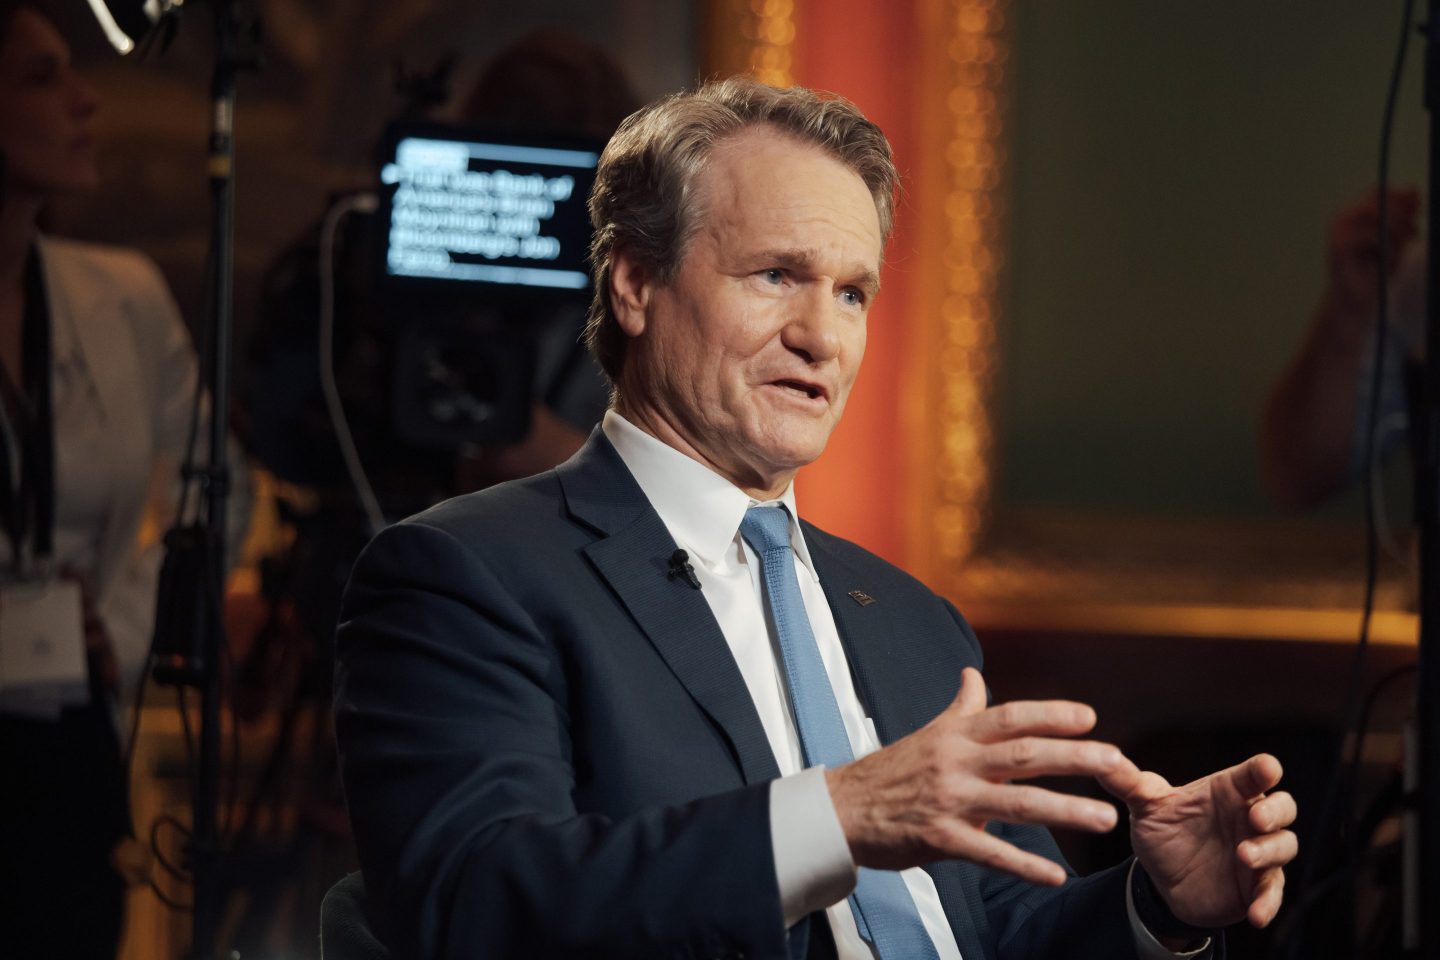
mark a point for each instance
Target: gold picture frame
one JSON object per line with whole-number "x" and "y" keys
{"x": 1027, "y": 569}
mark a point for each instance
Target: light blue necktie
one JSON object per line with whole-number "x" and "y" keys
{"x": 883, "y": 908}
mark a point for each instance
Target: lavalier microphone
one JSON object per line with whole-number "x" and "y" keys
{"x": 680, "y": 567}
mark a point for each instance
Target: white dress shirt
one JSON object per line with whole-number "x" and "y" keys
{"x": 703, "y": 511}
{"x": 813, "y": 865}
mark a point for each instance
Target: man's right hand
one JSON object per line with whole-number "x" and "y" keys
{"x": 1307, "y": 429}
{"x": 1354, "y": 250}
{"x": 928, "y": 796}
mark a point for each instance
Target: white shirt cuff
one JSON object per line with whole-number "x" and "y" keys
{"x": 1145, "y": 943}
{"x": 812, "y": 859}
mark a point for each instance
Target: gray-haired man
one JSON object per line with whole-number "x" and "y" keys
{"x": 636, "y": 707}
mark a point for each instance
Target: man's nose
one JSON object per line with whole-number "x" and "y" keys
{"x": 813, "y": 327}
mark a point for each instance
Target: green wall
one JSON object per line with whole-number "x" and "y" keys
{"x": 1174, "y": 168}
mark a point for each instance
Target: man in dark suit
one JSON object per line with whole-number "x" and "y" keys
{"x": 616, "y": 709}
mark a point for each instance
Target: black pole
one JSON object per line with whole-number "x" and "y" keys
{"x": 1423, "y": 916}
{"x": 205, "y": 849}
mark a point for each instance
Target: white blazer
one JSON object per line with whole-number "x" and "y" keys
{"x": 114, "y": 306}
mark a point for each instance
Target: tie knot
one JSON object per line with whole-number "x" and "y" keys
{"x": 766, "y": 528}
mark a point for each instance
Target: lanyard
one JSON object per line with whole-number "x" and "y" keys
{"x": 27, "y": 495}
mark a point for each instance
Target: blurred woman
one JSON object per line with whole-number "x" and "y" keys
{"x": 97, "y": 381}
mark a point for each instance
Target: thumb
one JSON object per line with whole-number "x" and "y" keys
{"x": 971, "y": 698}
{"x": 1256, "y": 776}
{"x": 1131, "y": 785}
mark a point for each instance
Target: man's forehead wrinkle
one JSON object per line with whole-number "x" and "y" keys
{"x": 741, "y": 216}
{"x": 790, "y": 224}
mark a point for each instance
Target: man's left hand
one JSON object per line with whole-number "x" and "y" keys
{"x": 1215, "y": 848}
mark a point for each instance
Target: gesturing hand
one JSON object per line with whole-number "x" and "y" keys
{"x": 1355, "y": 251}
{"x": 928, "y": 796}
{"x": 1215, "y": 848}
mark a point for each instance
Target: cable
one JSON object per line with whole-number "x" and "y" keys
{"x": 227, "y": 688}
{"x": 192, "y": 764}
{"x": 362, "y": 203}
{"x": 1332, "y": 809}
{"x": 135, "y": 723}
{"x": 188, "y": 476}
{"x": 178, "y": 874}
{"x": 1396, "y": 422}
{"x": 1356, "y": 754}
{"x": 164, "y": 898}
{"x": 1377, "y": 372}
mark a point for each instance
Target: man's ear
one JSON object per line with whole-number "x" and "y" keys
{"x": 631, "y": 285}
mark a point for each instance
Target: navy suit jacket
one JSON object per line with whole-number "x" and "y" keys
{"x": 548, "y": 749}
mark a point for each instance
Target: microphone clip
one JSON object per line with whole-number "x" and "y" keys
{"x": 681, "y": 567}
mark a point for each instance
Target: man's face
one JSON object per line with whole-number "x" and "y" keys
{"x": 745, "y": 359}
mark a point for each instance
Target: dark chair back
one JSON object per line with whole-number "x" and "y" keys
{"x": 344, "y": 929}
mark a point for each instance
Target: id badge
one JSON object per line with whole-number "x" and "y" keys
{"x": 42, "y": 647}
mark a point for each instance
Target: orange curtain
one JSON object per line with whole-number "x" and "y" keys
{"x": 907, "y": 473}
{"x": 866, "y": 50}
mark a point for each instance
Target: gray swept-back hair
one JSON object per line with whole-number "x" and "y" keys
{"x": 643, "y": 202}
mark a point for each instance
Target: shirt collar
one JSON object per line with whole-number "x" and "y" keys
{"x": 701, "y": 509}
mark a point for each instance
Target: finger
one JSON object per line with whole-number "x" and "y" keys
{"x": 1406, "y": 199}
{"x": 1403, "y": 225}
{"x": 1012, "y": 803}
{"x": 971, "y": 698}
{"x": 988, "y": 850}
{"x": 1359, "y": 228}
{"x": 1275, "y": 812}
{"x": 1256, "y": 776}
{"x": 1401, "y": 232}
{"x": 1354, "y": 231}
{"x": 1272, "y": 850}
{"x": 1269, "y": 893}
{"x": 1024, "y": 718}
{"x": 1135, "y": 786}
{"x": 1368, "y": 212}
{"x": 1394, "y": 196}
{"x": 1371, "y": 201}
{"x": 1026, "y": 757}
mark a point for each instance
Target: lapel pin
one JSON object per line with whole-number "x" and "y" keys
{"x": 861, "y": 597}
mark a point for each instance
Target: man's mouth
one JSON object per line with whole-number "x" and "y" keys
{"x": 811, "y": 390}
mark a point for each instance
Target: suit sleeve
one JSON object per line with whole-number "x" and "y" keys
{"x": 453, "y": 722}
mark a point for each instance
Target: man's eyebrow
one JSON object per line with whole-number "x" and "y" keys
{"x": 805, "y": 258}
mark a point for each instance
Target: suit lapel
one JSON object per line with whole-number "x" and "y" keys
{"x": 896, "y": 676}
{"x": 78, "y": 304}
{"x": 903, "y": 685}
{"x": 633, "y": 557}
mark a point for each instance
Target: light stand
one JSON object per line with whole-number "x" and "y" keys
{"x": 188, "y": 648}
{"x": 216, "y": 477}
{"x": 126, "y": 22}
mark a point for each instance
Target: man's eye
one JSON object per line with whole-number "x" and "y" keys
{"x": 852, "y": 297}
{"x": 774, "y": 276}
